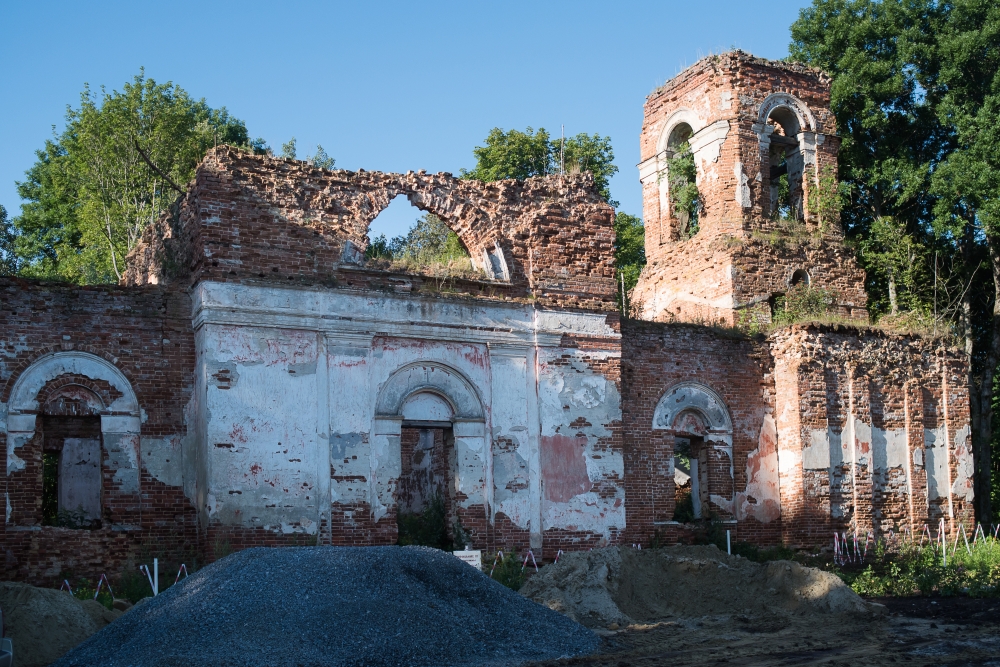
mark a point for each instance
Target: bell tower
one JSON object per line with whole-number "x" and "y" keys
{"x": 739, "y": 182}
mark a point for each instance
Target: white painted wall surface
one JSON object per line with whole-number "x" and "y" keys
{"x": 259, "y": 352}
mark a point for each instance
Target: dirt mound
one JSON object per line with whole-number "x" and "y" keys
{"x": 316, "y": 606}
{"x": 626, "y": 586}
{"x": 44, "y": 623}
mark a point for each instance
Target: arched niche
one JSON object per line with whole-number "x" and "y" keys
{"x": 427, "y": 376}
{"x": 799, "y": 278}
{"x": 699, "y": 427}
{"x": 63, "y": 389}
{"x": 427, "y": 394}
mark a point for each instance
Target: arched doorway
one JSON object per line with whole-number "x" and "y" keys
{"x": 429, "y": 447}
{"x": 425, "y": 497}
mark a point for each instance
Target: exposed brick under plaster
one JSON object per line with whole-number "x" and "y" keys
{"x": 260, "y": 297}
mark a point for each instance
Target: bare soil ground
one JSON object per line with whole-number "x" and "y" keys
{"x": 914, "y": 631}
{"x": 698, "y": 606}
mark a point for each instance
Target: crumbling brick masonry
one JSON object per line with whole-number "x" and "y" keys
{"x": 256, "y": 381}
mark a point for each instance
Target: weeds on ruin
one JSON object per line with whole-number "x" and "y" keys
{"x": 786, "y": 234}
{"x": 221, "y": 548}
{"x": 802, "y": 303}
{"x": 684, "y": 196}
{"x": 827, "y": 197}
{"x": 430, "y": 248}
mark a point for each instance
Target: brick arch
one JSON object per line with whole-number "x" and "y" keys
{"x": 41, "y": 353}
{"x": 775, "y": 101}
{"x": 682, "y": 116}
{"x": 57, "y": 369}
{"x": 435, "y": 378}
{"x": 73, "y": 395}
{"x": 693, "y": 398}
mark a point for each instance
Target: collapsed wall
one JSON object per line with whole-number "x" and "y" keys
{"x": 811, "y": 430}
{"x": 257, "y": 382}
{"x": 873, "y": 432}
{"x": 255, "y": 218}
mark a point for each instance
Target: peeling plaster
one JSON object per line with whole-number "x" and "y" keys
{"x": 742, "y": 186}
{"x": 163, "y": 459}
{"x": 963, "y": 485}
{"x": 936, "y": 456}
{"x": 761, "y": 500}
{"x": 578, "y": 403}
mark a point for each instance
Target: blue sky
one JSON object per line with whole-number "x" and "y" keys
{"x": 385, "y": 86}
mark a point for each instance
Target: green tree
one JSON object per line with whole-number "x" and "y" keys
{"x": 897, "y": 263}
{"x": 8, "y": 254}
{"x": 321, "y": 159}
{"x": 916, "y": 93}
{"x": 520, "y": 155}
{"x": 288, "y": 149}
{"x": 630, "y": 254}
{"x": 123, "y": 158}
{"x": 512, "y": 154}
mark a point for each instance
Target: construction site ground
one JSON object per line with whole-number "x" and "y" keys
{"x": 913, "y": 631}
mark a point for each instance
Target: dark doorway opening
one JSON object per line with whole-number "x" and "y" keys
{"x": 690, "y": 479}
{"x": 71, "y": 471}
{"x": 425, "y": 496}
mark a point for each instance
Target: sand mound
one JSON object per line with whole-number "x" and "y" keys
{"x": 313, "y": 606}
{"x": 44, "y": 623}
{"x": 625, "y": 586}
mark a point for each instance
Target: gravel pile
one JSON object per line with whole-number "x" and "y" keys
{"x": 313, "y": 606}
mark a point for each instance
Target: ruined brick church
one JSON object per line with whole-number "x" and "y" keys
{"x": 255, "y": 381}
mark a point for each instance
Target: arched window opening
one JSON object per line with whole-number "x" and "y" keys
{"x": 404, "y": 239}
{"x": 799, "y": 279}
{"x": 786, "y": 166}
{"x": 682, "y": 188}
{"x": 690, "y": 467}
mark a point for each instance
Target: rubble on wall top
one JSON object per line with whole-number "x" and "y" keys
{"x": 731, "y": 60}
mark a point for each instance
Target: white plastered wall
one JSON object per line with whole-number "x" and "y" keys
{"x": 326, "y": 373}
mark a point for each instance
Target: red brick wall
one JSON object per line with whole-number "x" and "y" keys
{"x": 253, "y": 218}
{"x": 893, "y": 383}
{"x": 146, "y": 334}
{"x": 740, "y": 257}
{"x": 655, "y": 357}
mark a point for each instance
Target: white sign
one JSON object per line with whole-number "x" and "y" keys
{"x": 473, "y": 558}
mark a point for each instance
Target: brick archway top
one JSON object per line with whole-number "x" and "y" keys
{"x": 432, "y": 377}
{"x": 25, "y": 393}
{"x": 692, "y": 397}
{"x": 807, "y": 121}
{"x": 681, "y": 116}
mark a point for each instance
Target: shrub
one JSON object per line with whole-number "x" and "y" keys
{"x": 508, "y": 571}
{"x": 427, "y": 528}
{"x": 803, "y": 303}
{"x": 912, "y": 569}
